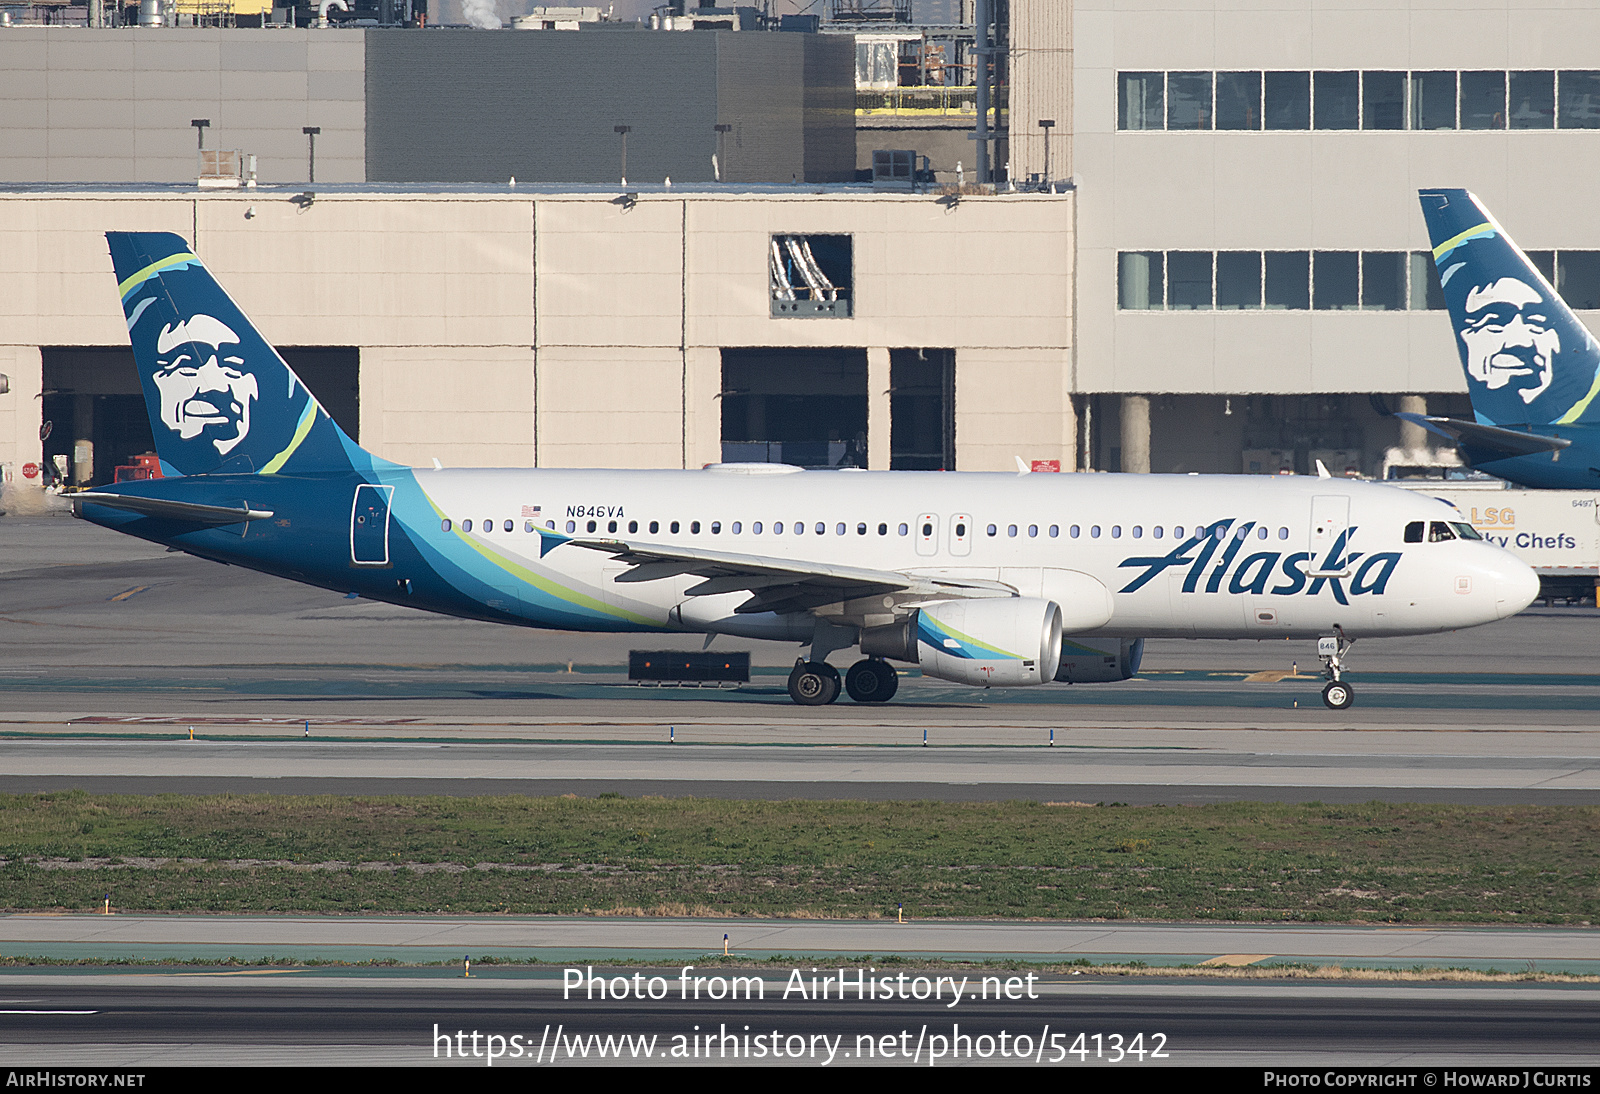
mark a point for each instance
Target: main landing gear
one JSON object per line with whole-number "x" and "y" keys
{"x": 816, "y": 683}
{"x": 872, "y": 681}
{"x": 1336, "y": 694}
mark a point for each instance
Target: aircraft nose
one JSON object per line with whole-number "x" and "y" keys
{"x": 1515, "y": 588}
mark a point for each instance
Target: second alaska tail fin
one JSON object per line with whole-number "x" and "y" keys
{"x": 220, "y": 398}
{"x": 1529, "y": 361}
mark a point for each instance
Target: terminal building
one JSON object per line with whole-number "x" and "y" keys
{"x": 1212, "y": 261}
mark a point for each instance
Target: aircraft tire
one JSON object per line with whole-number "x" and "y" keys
{"x": 813, "y": 683}
{"x": 872, "y": 681}
{"x": 1338, "y": 695}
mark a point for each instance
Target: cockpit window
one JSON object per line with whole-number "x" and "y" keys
{"x": 1439, "y": 531}
{"x": 1465, "y": 531}
{"x": 1414, "y": 531}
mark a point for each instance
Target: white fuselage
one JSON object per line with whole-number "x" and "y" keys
{"x": 1275, "y": 557}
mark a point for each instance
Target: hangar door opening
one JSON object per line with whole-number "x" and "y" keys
{"x": 922, "y": 410}
{"x": 801, "y": 406}
{"x": 94, "y": 415}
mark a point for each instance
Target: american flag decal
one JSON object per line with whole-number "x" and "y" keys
{"x": 530, "y": 510}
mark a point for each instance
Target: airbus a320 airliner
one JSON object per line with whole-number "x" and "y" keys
{"x": 985, "y": 579}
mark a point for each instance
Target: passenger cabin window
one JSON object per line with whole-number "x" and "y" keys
{"x": 673, "y": 527}
{"x": 655, "y": 527}
{"x": 1414, "y": 531}
{"x": 1439, "y": 531}
{"x": 633, "y": 527}
{"x": 444, "y": 525}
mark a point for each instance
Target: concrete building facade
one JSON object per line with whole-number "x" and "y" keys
{"x": 573, "y": 329}
{"x": 1288, "y": 141}
{"x": 446, "y": 106}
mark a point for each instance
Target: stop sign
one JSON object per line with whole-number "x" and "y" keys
{"x": 30, "y": 470}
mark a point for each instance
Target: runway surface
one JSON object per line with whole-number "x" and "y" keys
{"x": 298, "y": 1018}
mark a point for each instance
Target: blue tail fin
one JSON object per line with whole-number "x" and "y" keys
{"x": 220, "y": 398}
{"x": 1528, "y": 359}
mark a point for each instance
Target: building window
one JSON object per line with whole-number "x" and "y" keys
{"x": 1383, "y": 100}
{"x": 1532, "y": 100}
{"x": 1188, "y": 280}
{"x": 811, "y": 276}
{"x": 1483, "y": 100}
{"x": 1140, "y": 100}
{"x": 1141, "y": 279}
{"x": 1288, "y": 100}
{"x": 1188, "y": 100}
{"x": 1383, "y": 280}
{"x": 1338, "y": 100}
{"x": 1335, "y": 281}
{"x": 1238, "y": 100}
{"x": 1433, "y": 100}
{"x": 1288, "y": 280}
{"x": 1578, "y": 278}
{"x": 1578, "y": 105}
{"x": 1323, "y": 280}
{"x": 1348, "y": 100}
{"x": 1238, "y": 279}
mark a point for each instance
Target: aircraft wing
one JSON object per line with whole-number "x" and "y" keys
{"x": 167, "y": 509}
{"x": 781, "y": 585}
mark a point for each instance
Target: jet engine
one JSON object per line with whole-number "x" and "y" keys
{"x": 1009, "y": 642}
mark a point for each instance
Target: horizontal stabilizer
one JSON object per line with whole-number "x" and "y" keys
{"x": 1491, "y": 440}
{"x": 188, "y": 511}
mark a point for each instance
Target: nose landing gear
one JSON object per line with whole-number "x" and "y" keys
{"x": 1331, "y": 650}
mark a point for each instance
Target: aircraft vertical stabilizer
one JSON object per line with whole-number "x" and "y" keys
{"x": 220, "y": 398}
{"x": 1529, "y": 361}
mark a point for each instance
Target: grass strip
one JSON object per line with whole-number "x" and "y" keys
{"x": 1376, "y": 862}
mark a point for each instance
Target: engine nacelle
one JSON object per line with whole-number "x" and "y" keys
{"x": 1099, "y": 661}
{"x": 1011, "y": 642}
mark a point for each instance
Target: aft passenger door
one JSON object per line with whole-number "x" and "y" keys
{"x": 369, "y": 525}
{"x": 1330, "y": 516}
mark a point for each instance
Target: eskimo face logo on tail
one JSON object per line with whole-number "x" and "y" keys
{"x": 1508, "y": 338}
{"x": 206, "y": 390}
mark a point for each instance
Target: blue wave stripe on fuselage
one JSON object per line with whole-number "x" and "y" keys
{"x": 476, "y": 569}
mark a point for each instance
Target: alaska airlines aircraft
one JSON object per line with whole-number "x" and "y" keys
{"x": 984, "y": 579}
{"x": 1533, "y": 370}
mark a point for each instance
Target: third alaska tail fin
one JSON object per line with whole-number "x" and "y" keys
{"x": 1528, "y": 359}
{"x": 220, "y": 398}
